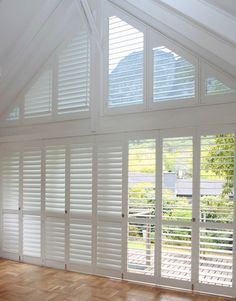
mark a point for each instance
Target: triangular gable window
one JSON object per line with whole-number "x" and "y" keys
{"x": 126, "y": 64}
{"x": 173, "y": 76}
{"x": 216, "y": 87}
{"x": 14, "y": 114}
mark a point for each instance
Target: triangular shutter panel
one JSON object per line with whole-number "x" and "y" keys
{"x": 216, "y": 87}
{"x": 38, "y": 100}
{"x": 14, "y": 114}
{"x": 173, "y": 76}
{"x": 74, "y": 75}
{"x": 126, "y": 64}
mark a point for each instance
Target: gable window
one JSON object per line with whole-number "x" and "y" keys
{"x": 126, "y": 64}
{"x": 173, "y": 76}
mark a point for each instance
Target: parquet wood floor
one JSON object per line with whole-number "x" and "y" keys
{"x": 24, "y": 282}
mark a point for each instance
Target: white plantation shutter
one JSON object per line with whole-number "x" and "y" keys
{"x": 10, "y": 237}
{"x": 141, "y": 206}
{"x": 80, "y": 237}
{"x": 80, "y": 242}
{"x": 14, "y": 114}
{"x": 74, "y": 75}
{"x": 126, "y": 64}
{"x": 32, "y": 179}
{"x": 177, "y": 191}
{"x": 32, "y": 235}
{"x": 55, "y": 178}
{"x": 109, "y": 250}
{"x": 38, "y": 99}
{"x": 216, "y": 87}
{"x": 55, "y": 239}
{"x": 216, "y": 210}
{"x": 31, "y": 194}
{"x": 173, "y": 76}
{"x": 109, "y": 207}
{"x": 10, "y": 179}
{"x": 81, "y": 179}
{"x": 109, "y": 181}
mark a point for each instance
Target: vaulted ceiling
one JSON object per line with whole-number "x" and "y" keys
{"x": 31, "y": 29}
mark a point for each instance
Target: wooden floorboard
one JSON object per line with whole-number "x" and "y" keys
{"x": 24, "y": 282}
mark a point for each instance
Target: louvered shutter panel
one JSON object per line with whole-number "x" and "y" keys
{"x": 126, "y": 64}
{"x": 80, "y": 242}
{"x": 177, "y": 191}
{"x": 173, "y": 76}
{"x": 216, "y": 210}
{"x": 32, "y": 179}
{"x": 14, "y": 114}
{"x": 31, "y": 235}
{"x": 10, "y": 239}
{"x": 141, "y": 206}
{"x": 10, "y": 179}
{"x": 81, "y": 165}
{"x": 109, "y": 207}
{"x": 10, "y": 174}
{"x": 74, "y": 75}
{"x": 38, "y": 100}
{"x": 55, "y": 178}
{"x": 81, "y": 157}
{"x": 55, "y": 240}
{"x": 109, "y": 247}
{"x": 216, "y": 87}
{"x": 31, "y": 193}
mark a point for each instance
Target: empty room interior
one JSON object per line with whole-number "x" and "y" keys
{"x": 117, "y": 150}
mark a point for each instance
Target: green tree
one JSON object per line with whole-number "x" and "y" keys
{"x": 220, "y": 160}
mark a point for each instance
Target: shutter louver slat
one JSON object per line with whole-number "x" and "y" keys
{"x": 126, "y": 64}
{"x": 38, "y": 100}
{"x": 74, "y": 76}
{"x": 173, "y": 76}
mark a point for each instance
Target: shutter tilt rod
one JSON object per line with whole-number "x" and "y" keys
{"x": 83, "y": 5}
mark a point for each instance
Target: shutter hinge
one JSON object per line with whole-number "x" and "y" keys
{"x": 65, "y": 211}
{"x": 19, "y": 208}
{"x": 65, "y": 266}
{"x": 192, "y": 287}
{"x": 123, "y": 215}
{"x": 193, "y": 219}
{"x": 122, "y": 276}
